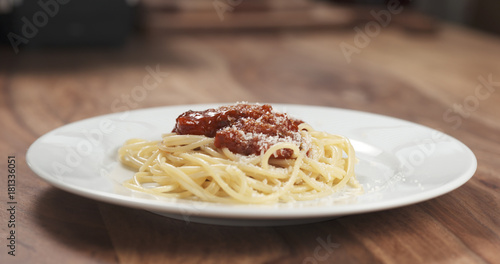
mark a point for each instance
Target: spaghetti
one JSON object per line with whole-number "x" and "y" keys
{"x": 304, "y": 165}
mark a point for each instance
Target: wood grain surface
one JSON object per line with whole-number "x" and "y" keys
{"x": 417, "y": 77}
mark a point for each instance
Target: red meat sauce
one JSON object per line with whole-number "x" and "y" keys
{"x": 242, "y": 128}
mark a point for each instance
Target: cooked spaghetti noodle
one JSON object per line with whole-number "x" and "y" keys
{"x": 192, "y": 167}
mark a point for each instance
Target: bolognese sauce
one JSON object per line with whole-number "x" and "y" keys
{"x": 245, "y": 129}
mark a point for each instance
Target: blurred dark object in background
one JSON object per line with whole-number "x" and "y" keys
{"x": 251, "y": 14}
{"x": 479, "y": 14}
{"x": 65, "y": 22}
{"x": 212, "y": 15}
{"x": 486, "y": 15}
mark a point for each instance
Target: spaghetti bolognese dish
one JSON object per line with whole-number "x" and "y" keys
{"x": 241, "y": 153}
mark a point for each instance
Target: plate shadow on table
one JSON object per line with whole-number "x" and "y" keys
{"x": 66, "y": 220}
{"x": 120, "y": 233}
{"x": 86, "y": 225}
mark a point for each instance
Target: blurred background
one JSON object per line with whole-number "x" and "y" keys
{"x": 80, "y": 58}
{"x": 432, "y": 62}
{"x": 111, "y": 22}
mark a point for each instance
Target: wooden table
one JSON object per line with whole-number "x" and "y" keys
{"x": 422, "y": 78}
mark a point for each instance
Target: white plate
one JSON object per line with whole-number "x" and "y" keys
{"x": 400, "y": 163}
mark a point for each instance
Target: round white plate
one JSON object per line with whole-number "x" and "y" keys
{"x": 400, "y": 163}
